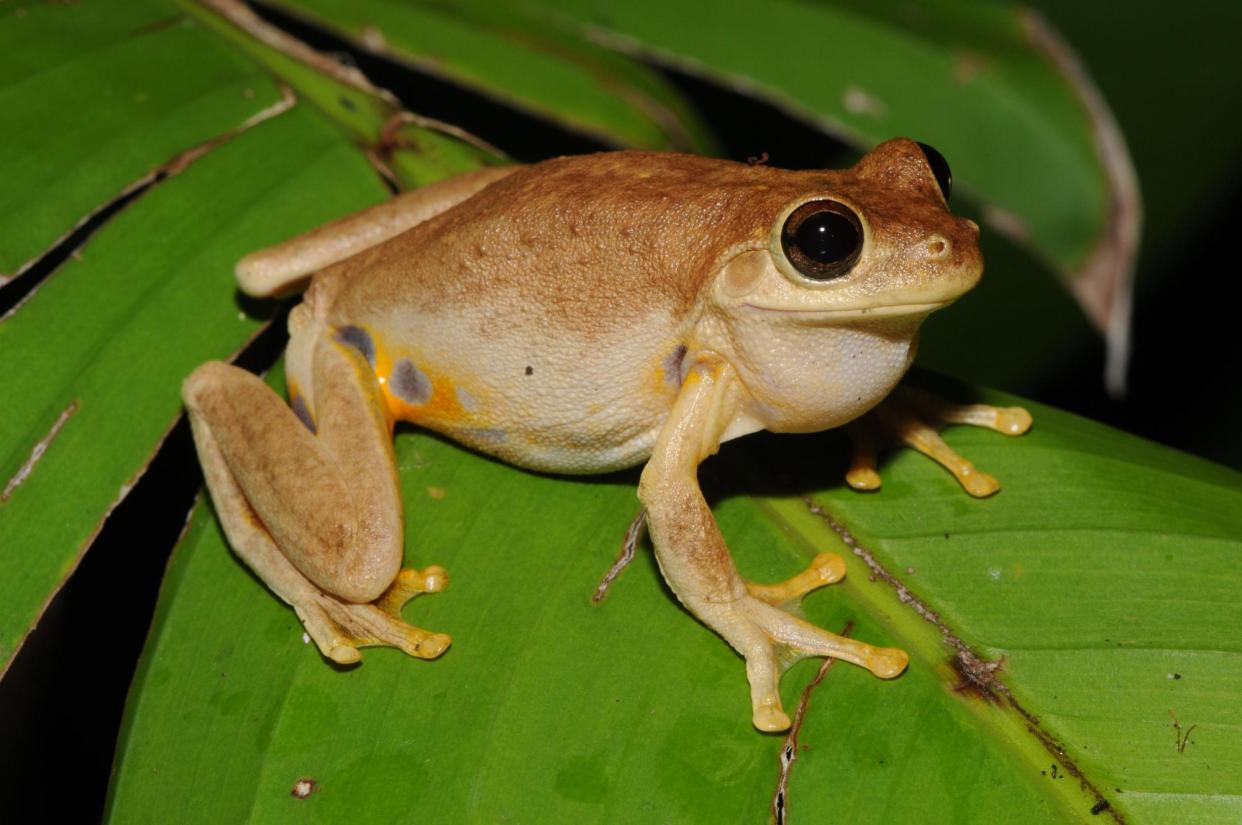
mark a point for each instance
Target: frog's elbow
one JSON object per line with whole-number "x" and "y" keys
{"x": 264, "y": 275}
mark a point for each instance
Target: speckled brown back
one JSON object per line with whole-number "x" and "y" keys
{"x": 593, "y": 241}
{"x": 582, "y": 240}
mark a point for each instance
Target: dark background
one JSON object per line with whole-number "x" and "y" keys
{"x": 1173, "y": 78}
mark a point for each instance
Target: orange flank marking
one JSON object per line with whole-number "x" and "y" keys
{"x": 657, "y": 382}
{"x": 443, "y": 407}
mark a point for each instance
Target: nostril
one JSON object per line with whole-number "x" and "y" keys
{"x": 937, "y": 247}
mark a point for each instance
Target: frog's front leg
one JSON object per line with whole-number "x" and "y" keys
{"x": 280, "y": 268}
{"x": 697, "y": 565}
{"x": 316, "y": 515}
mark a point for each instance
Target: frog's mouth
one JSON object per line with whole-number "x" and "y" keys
{"x": 852, "y": 313}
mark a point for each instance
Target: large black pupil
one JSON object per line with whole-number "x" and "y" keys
{"x": 827, "y": 237}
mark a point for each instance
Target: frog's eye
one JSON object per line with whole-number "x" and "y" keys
{"x": 822, "y": 239}
{"x": 940, "y": 168}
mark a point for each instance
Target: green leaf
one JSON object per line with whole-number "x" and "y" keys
{"x": 154, "y": 287}
{"x": 412, "y": 151}
{"x": 1102, "y": 579}
{"x": 97, "y": 139}
{"x": 577, "y": 84}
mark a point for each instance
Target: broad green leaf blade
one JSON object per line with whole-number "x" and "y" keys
{"x": 410, "y": 150}
{"x": 977, "y": 80}
{"x": 574, "y": 83}
{"x": 96, "y": 99}
{"x": 550, "y": 709}
{"x": 1104, "y": 580}
{"x": 131, "y": 295}
{"x": 92, "y": 363}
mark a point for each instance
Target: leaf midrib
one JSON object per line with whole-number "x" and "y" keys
{"x": 925, "y": 641}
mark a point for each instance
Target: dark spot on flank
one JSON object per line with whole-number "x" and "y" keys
{"x": 672, "y": 365}
{"x": 530, "y": 370}
{"x": 303, "y": 412}
{"x": 348, "y": 105}
{"x": 359, "y": 339}
{"x": 1099, "y": 807}
{"x": 409, "y": 383}
{"x": 487, "y": 435}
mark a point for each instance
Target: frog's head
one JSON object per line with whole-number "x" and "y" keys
{"x": 871, "y": 241}
{"x": 822, "y": 321}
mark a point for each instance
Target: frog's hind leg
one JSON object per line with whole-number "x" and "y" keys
{"x": 905, "y": 416}
{"x": 315, "y": 514}
{"x": 283, "y": 268}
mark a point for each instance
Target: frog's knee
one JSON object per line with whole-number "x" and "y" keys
{"x": 360, "y": 584}
{"x": 206, "y": 378}
{"x": 301, "y": 318}
{"x": 332, "y": 547}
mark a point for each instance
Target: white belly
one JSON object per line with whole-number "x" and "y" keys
{"x": 538, "y": 398}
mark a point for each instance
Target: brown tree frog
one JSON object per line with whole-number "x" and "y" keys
{"x": 582, "y": 315}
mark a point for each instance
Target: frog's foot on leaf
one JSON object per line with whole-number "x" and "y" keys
{"x": 826, "y": 568}
{"x": 771, "y": 640}
{"x": 904, "y": 416}
{"x": 340, "y": 628}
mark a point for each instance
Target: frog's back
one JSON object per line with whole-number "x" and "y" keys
{"x": 583, "y": 242}
{"x": 545, "y": 319}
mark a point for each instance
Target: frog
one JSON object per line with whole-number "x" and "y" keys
{"x": 582, "y": 315}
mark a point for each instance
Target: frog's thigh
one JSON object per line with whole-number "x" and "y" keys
{"x": 697, "y": 565}
{"x": 314, "y": 515}
{"x": 329, "y": 501}
{"x": 247, "y": 536}
{"x": 280, "y": 268}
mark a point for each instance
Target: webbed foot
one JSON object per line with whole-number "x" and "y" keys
{"x": 340, "y": 628}
{"x": 905, "y": 416}
{"x": 772, "y": 639}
